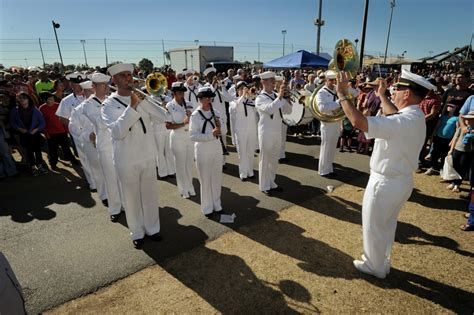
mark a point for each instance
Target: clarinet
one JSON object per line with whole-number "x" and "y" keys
{"x": 217, "y": 122}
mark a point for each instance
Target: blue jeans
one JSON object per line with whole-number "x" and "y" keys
{"x": 7, "y": 165}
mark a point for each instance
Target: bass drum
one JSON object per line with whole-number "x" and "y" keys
{"x": 300, "y": 113}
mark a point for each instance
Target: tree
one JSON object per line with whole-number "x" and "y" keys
{"x": 146, "y": 65}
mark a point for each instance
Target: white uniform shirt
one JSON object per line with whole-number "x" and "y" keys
{"x": 132, "y": 143}
{"x": 67, "y": 104}
{"x": 178, "y": 112}
{"x": 197, "y": 123}
{"x": 398, "y": 141}
{"x": 243, "y": 114}
{"x": 92, "y": 110}
{"x": 190, "y": 95}
{"x": 268, "y": 107}
{"x": 326, "y": 101}
{"x": 222, "y": 96}
{"x": 79, "y": 125}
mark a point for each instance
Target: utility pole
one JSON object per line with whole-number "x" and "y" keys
{"x": 284, "y": 34}
{"x": 319, "y": 22}
{"x": 164, "y": 55}
{"x": 106, "y": 56}
{"x": 42, "y": 55}
{"x": 364, "y": 26}
{"x": 84, "y": 49}
{"x": 55, "y": 26}
{"x": 392, "y": 5}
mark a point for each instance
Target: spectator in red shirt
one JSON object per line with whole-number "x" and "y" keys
{"x": 55, "y": 132}
{"x": 430, "y": 105}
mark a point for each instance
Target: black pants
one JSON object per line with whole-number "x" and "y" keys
{"x": 440, "y": 150}
{"x": 462, "y": 163}
{"x": 32, "y": 145}
{"x": 56, "y": 140}
{"x": 430, "y": 125}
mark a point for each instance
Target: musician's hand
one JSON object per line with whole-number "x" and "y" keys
{"x": 282, "y": 93}
{"x": 33, "y": 131}
{"x": 186, "y": 120}
{"x": 134, "y": 101}
{"x": 216, "y": 132}
{"x": 22, "y": 130}
{"x": 246, "y": 91}
{"x": 382, "y": 89}
{"x": 342, "y": 84}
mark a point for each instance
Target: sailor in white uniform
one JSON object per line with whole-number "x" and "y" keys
{"x": 82, "y": 129}
{"x": 192, "y": 84}
{"x": 399, "y": 136}
{"x": 181, "y": 144}
{"x": 208, "y": 151}
{"x": 134, "y": 154}
{"x": 270, "y": 107}
{"x": 244, "y": 117}
{"x": 326, "y": 99}
{"x": 64, "y": 110}
{"x": 103, "y": 143}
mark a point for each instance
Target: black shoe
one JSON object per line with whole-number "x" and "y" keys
{"x": 172, "y": 176}
{"x": 93, "y": 190}
{"x": 138, "y": 244}
{"x": 115, "y": 217}
{"x": 209, "y": 215}
{"x": 341, "y": 150}
{"x": 162, "y": 178}
{"x": 279, "y": 189}
{"x": 251, "y": 177}
{"x": 243, "y": 179}
{"x": 155, "y": 237}
{"x": 105, "y": 202}
{"x": 267, "y": 192}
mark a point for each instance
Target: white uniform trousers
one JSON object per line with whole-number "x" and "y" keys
{"x": 270, "y": 145}
{"x": 384, "y": 197}
{"x": 112, "y": 185}
{"x": 284, "y": 129}
{"x": 95, "y": 169}
{"x": 85, "y": 164}
{"x": 165, "y": 159}
{"x": 329, "y": 136}
{"x": 246, "y": 140}
{"x": 183, "y": 152}
{"x": 140, "y": 198}
{"x": 209, "y": 165}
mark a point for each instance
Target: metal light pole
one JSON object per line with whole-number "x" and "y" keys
{"x": 356, "y": 41}
{"x": 392, "y": 5}
{"x": 84, "y": 49}
{"x": 284, "y": 34}
{"x": 318, "y": 22}
{"x": 55, "y": 26}
{"x": 42, "y": 55}
{"x": 106, "y": 57}
{"x": 362, "y": 41}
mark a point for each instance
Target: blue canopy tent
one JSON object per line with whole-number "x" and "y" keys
{"x": 299, "y": 59}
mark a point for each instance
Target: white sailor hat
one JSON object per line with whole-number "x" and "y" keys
{"x": 330, "y": 74}
{"x": 279, "y": 78}
{"x": 99, "y": 77}
{"x": 415, "y": 81}
{"x": 209, "y": 70}
{"x": 86, "y": 85}
{"x": 120, "y": 67}
{"x": 76, "y": 77}
{"x": 187, "y": 71}
{"x": 236, "y": 77}
{"x": 255, "y": 77}
{"x": 267, "y": 75}
{"x": 205, "y": 91}
{"x": 178, "y": 86}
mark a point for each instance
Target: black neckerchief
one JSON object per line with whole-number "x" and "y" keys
{"x": 141, "y": 120}
{"x": 97, "y": 100}
{"x": 192, "y": 91}
{"x": 206, "y": 120}
{"x": 272, "y": 98}
{"x": 219, "y": 94}
{"x": 246, "y": 103}
{"x": 334, "y": 95}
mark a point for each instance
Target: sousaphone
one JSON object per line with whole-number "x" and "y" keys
{"x": 345, "y": 58}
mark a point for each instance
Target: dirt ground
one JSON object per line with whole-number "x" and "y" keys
{"x": 300, "y": 261}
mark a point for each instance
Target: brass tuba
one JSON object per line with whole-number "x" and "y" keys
{"x": 345, "y": 58}
{"x": 156, "y": 84}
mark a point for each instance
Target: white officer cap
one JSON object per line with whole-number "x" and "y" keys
{"x": 267, "y": 75}
{"x": 86, "y": 85}
{"x": 414, "y": 81}
{"x": 330, "y": 74}
{"x": 120, "y": 67}
{"x": 209, "y": 70}
{"x": 279, "y": 78}
{"x": 99, "y": 77}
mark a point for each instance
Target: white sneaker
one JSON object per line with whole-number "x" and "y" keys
{"x": 362, "y": 267}
{"x": 431, "y": 171}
